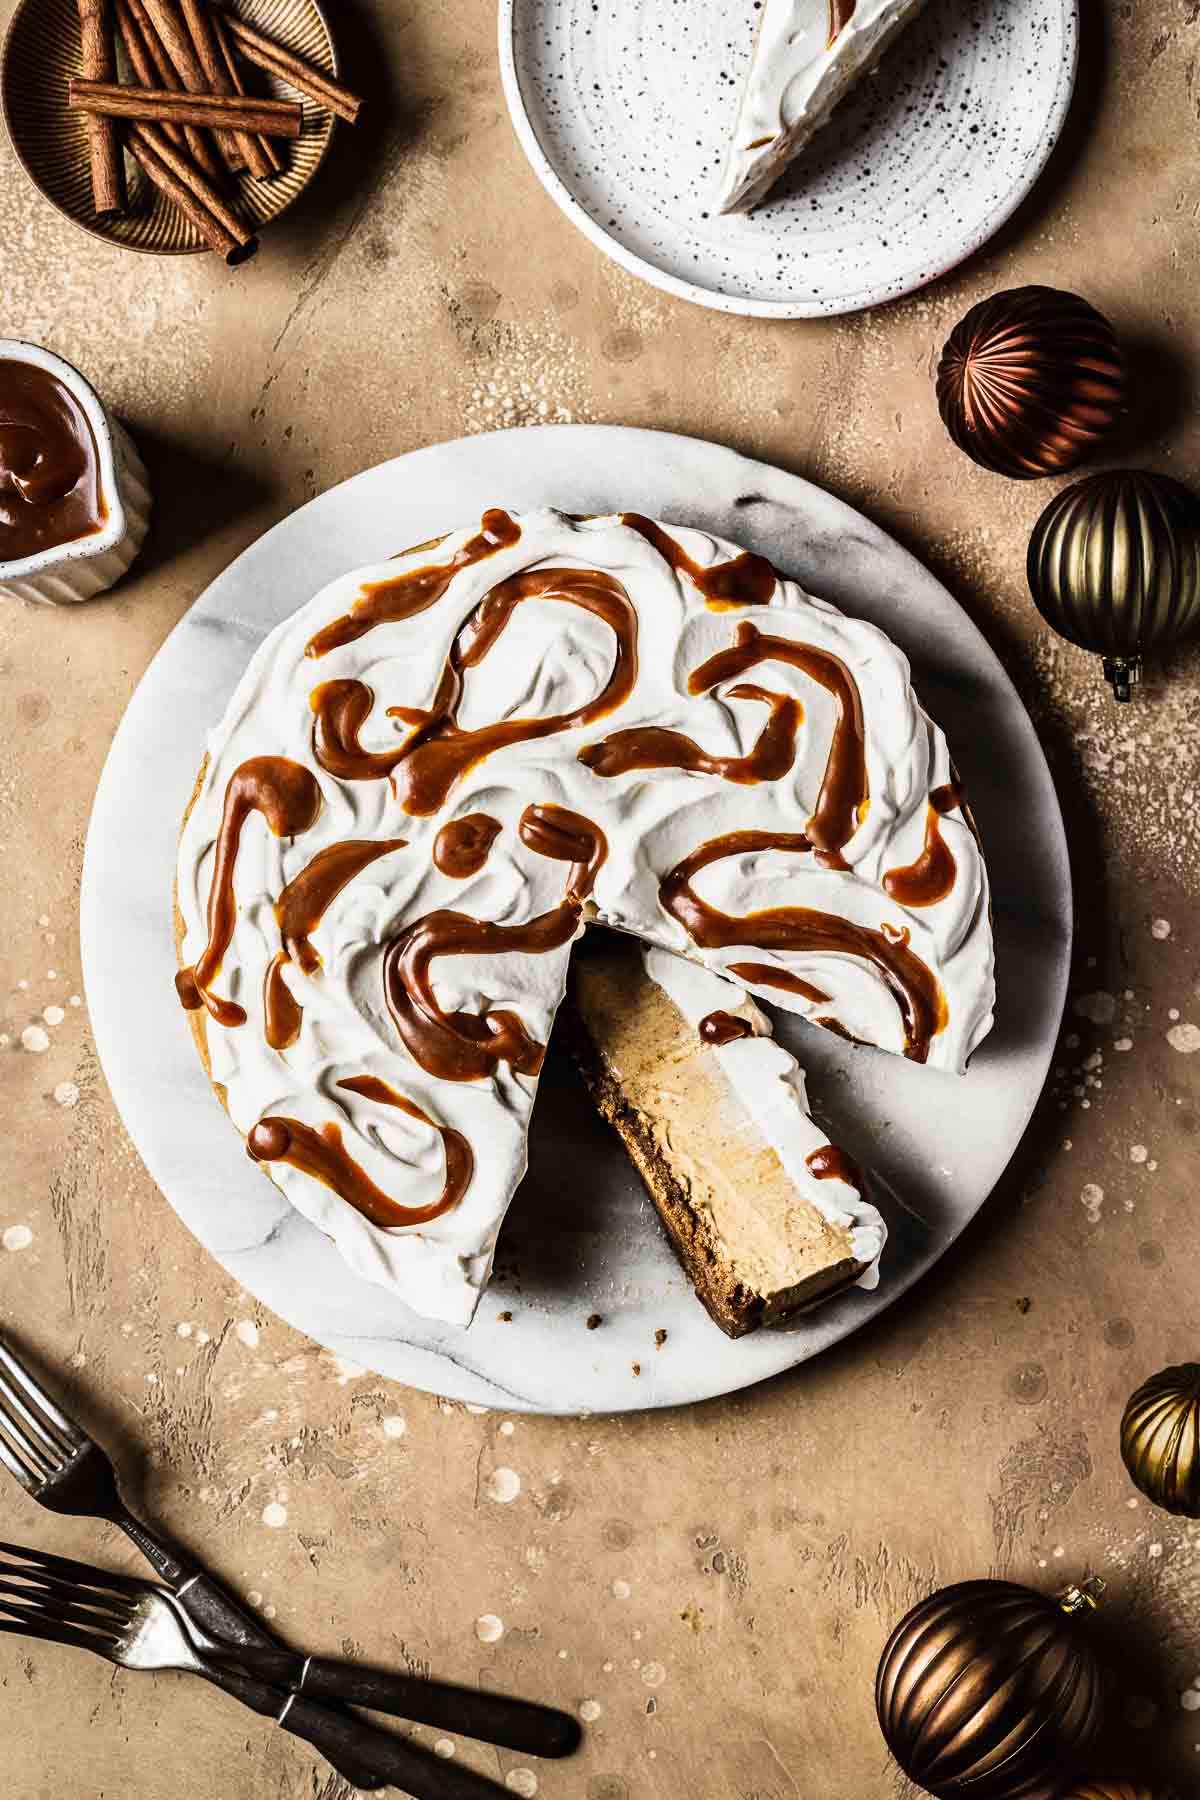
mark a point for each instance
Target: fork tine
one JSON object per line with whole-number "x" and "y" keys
{"x": 13, "y": 1402}
{"x": 52, "y": 1634}
{"x": 70, "y": 1433}
{"x": 16, "y": 1468}
{"x": 27, "y": 1431}
{"x": 33, "y": 1586}
{"x": 79, "y": 1572}
{"x": 22, "y": 1602}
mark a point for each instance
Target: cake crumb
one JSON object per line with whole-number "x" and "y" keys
{"x": 594, "y": 1319}
{"x": 505, "y": 1318}
{"x": 637, "y": 1368}
{"x": 660, "y": 1338}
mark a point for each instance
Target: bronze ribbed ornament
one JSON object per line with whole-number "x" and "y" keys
{"x": 1160, "y": 1439}
{"x": 1030, "y": 382}
{"x": 1114, "y": 566}
{"x": 1109, "y": 1790}
{"x": 989, "y": 1691}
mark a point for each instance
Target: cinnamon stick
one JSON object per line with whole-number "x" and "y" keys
{"x": 187, "y": 187}
{"x": 169, "y": 23}
{"x": 277, "y": 59}
{"x": 153, "y": 67}
{"x": 99, "y": 61}
{"x": 262, "y": 158}
{"x": 236, "y": 112}
{"x": 196, "y": 17}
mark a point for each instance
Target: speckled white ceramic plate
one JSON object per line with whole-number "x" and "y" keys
{"x": 625, "y": 111}
{"x": 581, "y": 1238}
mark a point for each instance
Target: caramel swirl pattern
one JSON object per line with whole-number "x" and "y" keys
{"x": 465, "y": 1046}
{"x": 930, "y": 878}
{"x": 840, "y": 14}
{"x": 289, "y": 798}
{"x": 438, "y": 750}
{"x": 842, "y": 802}
{"x": 400, "y": 596}
{"x": 911, "y": 982}
{"x": 411, "y": 767}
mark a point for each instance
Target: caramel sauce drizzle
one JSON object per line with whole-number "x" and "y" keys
{"x": 842, "y": 801}
{"x": 931, "y": 877}
{"x": 767, "y": 975}
{"x": 654, "y": 747}
{"x": 323, "y": 1155}
{"x": 289, "y": 798}
{"x": 50, "y": 489}
{"x": 462, "y": 847}
{"x": 438, "y": 751}
{"x": 299, "y": 910}
{"x": 911, "y": 982}
{"x": 745, "y": 580}
{"x": 416, "y": 590}
{"x": 718, "y": 1028}
{"x": 460, "y": 1159}
{"x": 840, "y": 14}
{"x": 830, "y": 1162}
{"x": 464, "y": 1046}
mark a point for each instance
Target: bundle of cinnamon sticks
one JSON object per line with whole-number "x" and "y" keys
{"x": 187, "y": 119}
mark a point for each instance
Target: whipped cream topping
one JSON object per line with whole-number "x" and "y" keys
{"x": 859, "y": 968}
{"x": 804, "y": 62}
{"x": 769, "y": 1084}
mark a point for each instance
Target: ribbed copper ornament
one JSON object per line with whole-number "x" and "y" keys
{"x": 1109, "y": 1790}
{"x": 1114, "y": 566}
{"x": 989, "y": 1691}
{"x": 1030, "y": 382}
{"x": 1160, "y": 1439}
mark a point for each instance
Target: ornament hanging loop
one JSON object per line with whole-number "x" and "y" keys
{"x": 1083, "y": 1596}
{"x": 1121, "y": 672}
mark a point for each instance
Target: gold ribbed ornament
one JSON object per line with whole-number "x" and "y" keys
{"x": 1114, "y": 566}
{"x": 1030, "y": 382}
{"x": 1160, "y": 1439}
{"x": 989, "y": 1691}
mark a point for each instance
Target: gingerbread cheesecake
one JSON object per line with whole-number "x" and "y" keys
{"x": 807, "y": 56}
{"x": 437, "y": 772}
{"x": 766, "y": 1215}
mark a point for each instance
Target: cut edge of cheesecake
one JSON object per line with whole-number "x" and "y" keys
{"x": 759, "y": 1241}
{"x": 751, "y": 169}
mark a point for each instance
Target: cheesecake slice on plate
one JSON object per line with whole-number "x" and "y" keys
{"x": 766, "y": 1216}
{"x": 807, "y": 55}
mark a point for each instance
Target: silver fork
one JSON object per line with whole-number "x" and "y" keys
{"x": 65, "y": 1470}
{"x": 138, "y": 1625}
{"x": 68, "y": 1472}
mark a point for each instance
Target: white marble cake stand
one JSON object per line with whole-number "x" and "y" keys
{"x": 580, "y": 1238}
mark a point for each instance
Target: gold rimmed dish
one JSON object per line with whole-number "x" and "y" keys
{"x": 41, "y": 54}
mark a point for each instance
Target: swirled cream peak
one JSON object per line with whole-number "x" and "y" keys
{"x": 438, "y": 770}
{"x": 807, "y": 55}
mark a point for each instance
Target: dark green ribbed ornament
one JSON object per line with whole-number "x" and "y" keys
{"x": 1114, "y": 566}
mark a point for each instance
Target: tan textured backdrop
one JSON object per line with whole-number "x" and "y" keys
{"x": 715, "y": 1584}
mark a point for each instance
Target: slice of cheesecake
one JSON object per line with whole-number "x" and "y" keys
{"x": 765, "y": 1214}
{"x": 807, "y": 55}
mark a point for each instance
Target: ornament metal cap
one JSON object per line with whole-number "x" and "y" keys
{"x": 1082, "y": 1596}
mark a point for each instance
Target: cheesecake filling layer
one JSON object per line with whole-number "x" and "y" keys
{"x": 768, "y": 1239}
